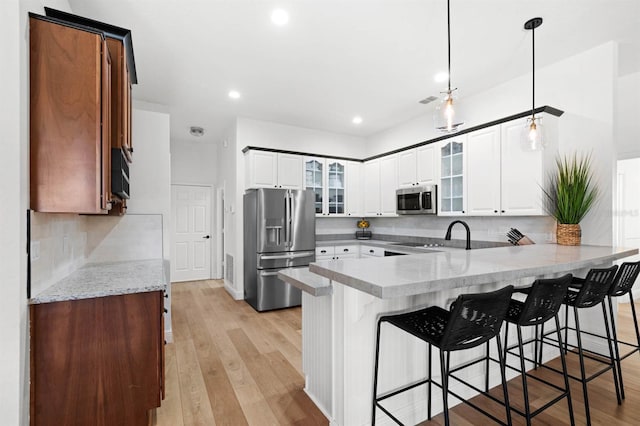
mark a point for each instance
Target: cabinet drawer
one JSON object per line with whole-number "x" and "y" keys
{"x": 346, "y": 250}
{"x": 324, "y": 251}
{"x": 371, "y": 251}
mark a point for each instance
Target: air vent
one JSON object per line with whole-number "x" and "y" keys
{"x": 428, "y": 100}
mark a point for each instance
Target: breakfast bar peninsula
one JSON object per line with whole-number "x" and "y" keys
{"x": 342, "y": 300}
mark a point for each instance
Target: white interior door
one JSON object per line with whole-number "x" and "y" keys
{"x": 629, "y": 205}
{"x": 191, "y": 228}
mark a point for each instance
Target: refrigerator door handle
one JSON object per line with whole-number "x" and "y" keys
{"x": 287, "y": 219}
{"x": 268, "y": 274}
{"x": 290, "y": 218}
{"x": 287, "y": 256}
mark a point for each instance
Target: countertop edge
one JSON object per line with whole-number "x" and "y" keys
{"x": 420, "y": 287}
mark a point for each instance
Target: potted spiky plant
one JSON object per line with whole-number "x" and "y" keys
{"x": 570, "y": 194}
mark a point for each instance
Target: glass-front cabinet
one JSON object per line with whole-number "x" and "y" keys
{"x": 452, "y": 177}
{"x": 313, "y": 180}
{"x": 336, "y": 186}
{"x": 327, "y": 179}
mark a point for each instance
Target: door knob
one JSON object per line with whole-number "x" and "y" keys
{"x": 206, "y": 237}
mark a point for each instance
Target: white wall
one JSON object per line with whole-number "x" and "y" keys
{"x": 14, "y": 189}
{"x": 13, "y": 301}
{"x": 194, "y": 163}
{"x": 151, "y": 175}
{"x": 280, "y": 136}
{"x": 583, "y": 86}
{"x": 228, "y": 172}
{"x": 627, "y": 113}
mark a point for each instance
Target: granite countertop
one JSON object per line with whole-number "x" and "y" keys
{"x": 397, "y": 276}
{"x": 107, "y": 279}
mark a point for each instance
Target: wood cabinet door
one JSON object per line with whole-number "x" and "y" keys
{"x": 96, "y": 361}
{"x": 106, "y": 141}
{"x": 66, "y": 106}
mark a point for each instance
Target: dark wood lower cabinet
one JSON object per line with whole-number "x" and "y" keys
{"x": 97, "y": 361}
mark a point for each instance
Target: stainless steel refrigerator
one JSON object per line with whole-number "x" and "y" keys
{"x": 279, "y": 232}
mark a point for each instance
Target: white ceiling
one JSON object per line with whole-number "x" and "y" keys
{"x": 340, "y": 58}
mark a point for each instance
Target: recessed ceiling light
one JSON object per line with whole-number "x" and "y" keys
{"x": 441, "y": 77}
{"x": 280, "y": 17}
{"x": 357, "y": 119}
{"x": 234, "y": 94}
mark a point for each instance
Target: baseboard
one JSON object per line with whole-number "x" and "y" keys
{"x": 236, "y": 294}
{"x": 321, "y": 407}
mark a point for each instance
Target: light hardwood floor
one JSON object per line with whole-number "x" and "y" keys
{"x": 229, "y": 365}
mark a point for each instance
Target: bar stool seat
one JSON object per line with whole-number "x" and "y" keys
{"x": 587, "y": 293}
{"x": 622, "y": 285}
{"x": 472, "y": 320}
{"x": 543, "y": 302}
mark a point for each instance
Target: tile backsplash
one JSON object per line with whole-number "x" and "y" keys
{"x": 62, "y": 243}
{"x": 59, "y": 242}
{"x": 540, "y": 229}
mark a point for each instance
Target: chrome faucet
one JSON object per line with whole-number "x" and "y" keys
{"x": 448, "y": 236}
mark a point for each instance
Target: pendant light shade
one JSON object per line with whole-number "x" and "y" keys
{"x": 448, "y": 117}
{"x": 532, "y": 138}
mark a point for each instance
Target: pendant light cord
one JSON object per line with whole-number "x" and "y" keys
{"x": 449, "y": 46}
{"x": 533, "y": 85}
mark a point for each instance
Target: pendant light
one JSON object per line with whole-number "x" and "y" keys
{"x": 447, "y": 118}
{"x": 532, "y": 138}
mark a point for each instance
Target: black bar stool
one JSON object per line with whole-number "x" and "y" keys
{"x": 622, "y": 284}
{"x": 587, "y": 293}
{"x": 472, "y": 320}
{"x": 543, "y": 302}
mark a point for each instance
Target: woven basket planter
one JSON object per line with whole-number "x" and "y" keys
{"x": 568, "y": 234}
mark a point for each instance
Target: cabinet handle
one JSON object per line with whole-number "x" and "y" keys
{"x": 370, "y": 251}
{"x": 345, "y": 250}
{"x": 323, "y": 251}
{"x": 502, "y": 211}
{"x": 462, "y": 211}
{"x": 495, "y": 211}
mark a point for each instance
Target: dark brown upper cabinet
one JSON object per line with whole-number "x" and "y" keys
{"x": 123, "y": 74}
{"x": 70, "y": 118}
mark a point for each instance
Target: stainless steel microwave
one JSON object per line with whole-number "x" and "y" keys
{"x": 417, "y": 200}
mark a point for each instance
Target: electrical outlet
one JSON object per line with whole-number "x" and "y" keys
{"x": 35, "y": 250}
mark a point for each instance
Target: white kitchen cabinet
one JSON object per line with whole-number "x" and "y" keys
{"x": 417, "y": 166}
{"x": 388, "y": 185}
{"x": 381, "y": 182}
{"x": 372, "y": 188}
{"x": 452, "y": 193}
{"x": 338, "y": 252}
{"x": 355, "y": 185}
{"x": 327, "y": 178}
{"x": 483, "y": 172}
{"x": 266, "y": 169}
{"x": 503, "y": 179}
{"x": 522, "y": 172}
